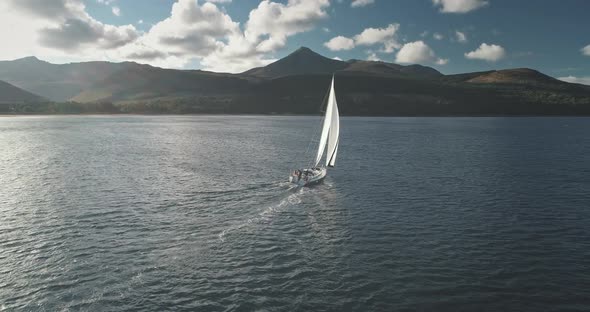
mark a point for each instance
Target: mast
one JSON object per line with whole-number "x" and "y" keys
{"x": 327, "y": 124}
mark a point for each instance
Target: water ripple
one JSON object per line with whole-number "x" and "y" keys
{"x": 188, "y": 214}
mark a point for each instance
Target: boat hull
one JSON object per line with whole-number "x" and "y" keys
{"x": 309, "y": 177}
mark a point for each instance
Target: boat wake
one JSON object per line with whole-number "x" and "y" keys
{"x": 291, "y": 197}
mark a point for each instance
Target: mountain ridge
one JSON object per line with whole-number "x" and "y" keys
{"x": 296, "y": 84}
{"x": 10, "y": 94}
{"x": 57, "y": 82}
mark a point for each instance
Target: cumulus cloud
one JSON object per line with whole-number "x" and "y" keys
{"x": 75, "y": 34}
{"x": 418, "y": 52}
{"x": 339, "y": 43}
{"x": 386, "y": 36}
{"x": 368, "y": 37}
{"x": 487, "y": 52}
{"x": 573, "y": 79}
{"x": 371, "y": 56}
{"x": 267, "y": 29}
{"x": 460, "y": 36}
{"x": 437, "y": 36}
{"x": 586, "y": 50}
{"x": 361, "y": 3}
{"x": 459, "y": 6}
{"x": 278, "y": 21}
{"x": 116, "y": 11}
{"x": 194, "y": 30}
{"x": 64, "y": 25}
{"x": 191, "y": 30}
{"x": 205, "y": 32}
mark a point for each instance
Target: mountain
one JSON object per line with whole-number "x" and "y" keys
{"x": 306, "y": 61}
{"x": 11, "y": 97}
{"x": 391, "y": 69}
{"x": 297, "y": 84}
{"x": 56, "y": 82}
{"x": 302, "y": 61}
{"x": 516, "y": 76}
{"x": 10, "y": 94}
{"x": 144, "y": 82}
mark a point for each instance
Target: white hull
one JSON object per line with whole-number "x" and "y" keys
{"x": 308, "y": 177}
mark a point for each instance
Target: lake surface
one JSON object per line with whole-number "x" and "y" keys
{"x": 155, "y": 213}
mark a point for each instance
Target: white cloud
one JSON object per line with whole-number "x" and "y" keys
{"x": 140, "y": 22}
{"x": 586, "y": 50}
{"x": 361, "y": 3}
{"x": 437, "y": 36}
{"x": 191, "y": 30}
{"x": 339, "y": 43}
{"x": 207, "y": 33}
{"x": 278, "y": 21}
{"x": 267, "y": 29}
{"x": 460, "y": 36}
{"x": 372, "y": 36}
{"x": 573, "y": 79}
{"x": 371, "y": 56}
{"x": 58, "y": 28}
{"x": 219, "y": 1}
{"x": 116, "y": 11}
{"x": 337, "y": 58}
{"x": 369, "y": 37}
{"x": 195, "y": 31}
{"x": 459, "y": 6}
{"x": 487, "y": 52}
{"x": 418, "y": 52}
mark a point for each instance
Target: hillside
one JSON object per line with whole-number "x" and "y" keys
{"x": 145, "y": 82}
{"x": 515, "y": 76}
{"x": 391, "y": 69}
{"x": 297, "y": 84}
{"x": 56, "y": 82}
{"x": 10, "y": 94}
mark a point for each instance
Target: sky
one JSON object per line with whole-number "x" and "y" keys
{"x": 453, "y": 36}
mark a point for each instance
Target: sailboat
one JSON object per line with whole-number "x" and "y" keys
{"x": 328, "y": 144}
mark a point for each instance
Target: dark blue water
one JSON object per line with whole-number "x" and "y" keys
{"x": 191, "y": 213}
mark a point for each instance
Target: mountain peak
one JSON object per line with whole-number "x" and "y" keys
{"x": 30, "y": 59}
{"x": 301, "y": 61}
{"x": 304, "y": 50}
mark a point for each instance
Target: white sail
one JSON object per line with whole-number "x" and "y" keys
{"x": 333, "y": 136}
{"x": 326, "y": 126}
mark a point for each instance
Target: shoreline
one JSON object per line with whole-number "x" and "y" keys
{"x": 286, "y": 115}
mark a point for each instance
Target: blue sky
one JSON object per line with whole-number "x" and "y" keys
{"x": 452, "y": 36}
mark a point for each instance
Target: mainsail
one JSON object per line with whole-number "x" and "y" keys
{"x": 330, "y": 130}
{"x": 333, "y": 136}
